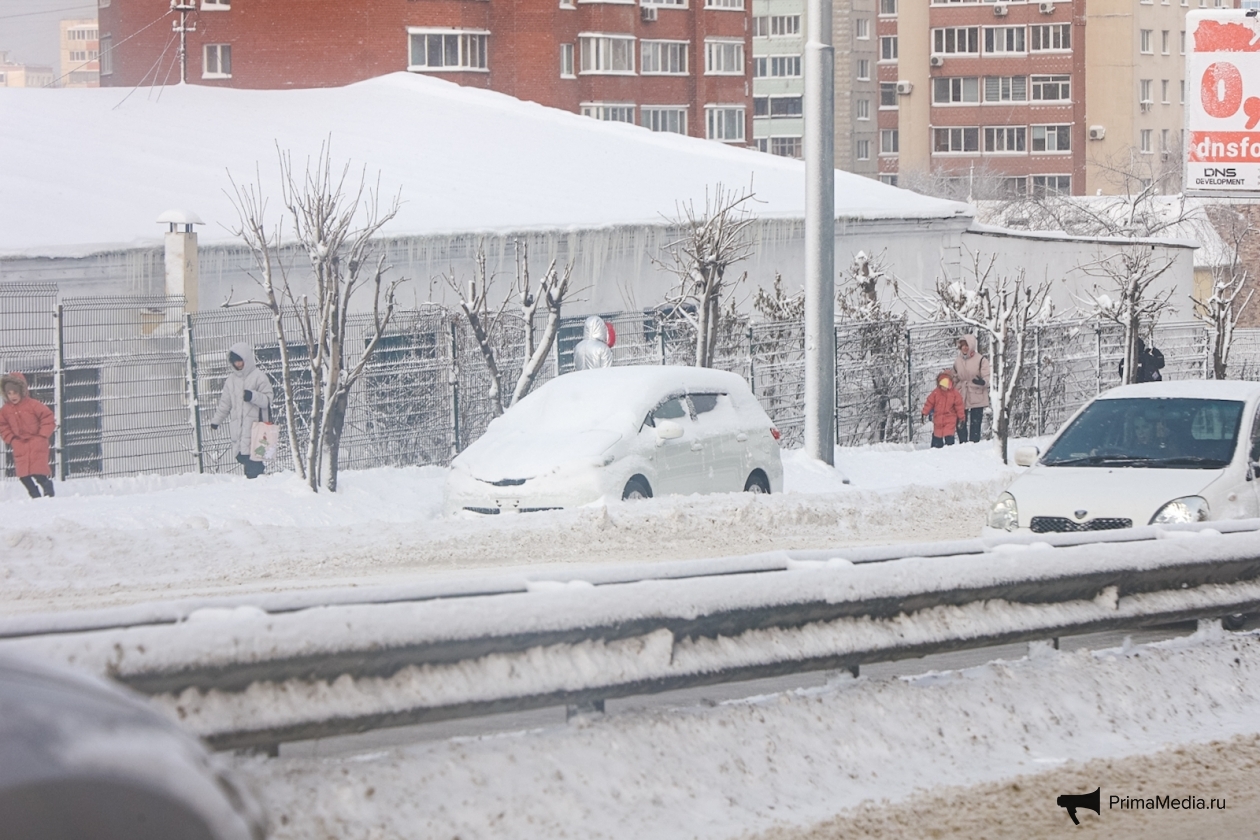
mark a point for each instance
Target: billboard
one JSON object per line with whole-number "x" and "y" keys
{"x": 1223, "y": 103}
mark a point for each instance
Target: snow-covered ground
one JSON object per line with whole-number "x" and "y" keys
{"x": 104, "y": 542}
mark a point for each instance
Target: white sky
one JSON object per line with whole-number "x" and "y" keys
{"x": 28, "y": 28}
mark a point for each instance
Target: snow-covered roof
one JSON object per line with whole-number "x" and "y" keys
{"x": 1209, "y": 389}
{"x": 81, "y": 169}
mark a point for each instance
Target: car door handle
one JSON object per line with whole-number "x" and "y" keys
{"x": 696, "y": 447}
{"x": 741, "y": 437}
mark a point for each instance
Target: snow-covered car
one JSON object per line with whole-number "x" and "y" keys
{"x": 81, "y": 758}
{"x": 619, "y": 433}
{"x": 1149, "y": 454}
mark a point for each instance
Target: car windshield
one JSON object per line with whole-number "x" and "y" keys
{"x": 1160, "y": 433}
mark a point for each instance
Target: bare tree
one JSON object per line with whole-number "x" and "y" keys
{"x": 858, "y": 298}
{"x": 710, "y": 243}
{"x": 485, "y": 320}
{"x": 1126, "y": 294}
{"x": 1002, "y": 306}
{"x": 334, "y": 220}
{"x": 975, "y": 183}
{"x": 1221, "y": 311}
{"x": 871, "y": 339}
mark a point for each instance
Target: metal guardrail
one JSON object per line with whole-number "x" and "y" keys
{"x": 246, "y": 678}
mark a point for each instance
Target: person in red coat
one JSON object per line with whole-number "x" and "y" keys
{"x": 26, "y": 424}
{"x": 945, "y": 406}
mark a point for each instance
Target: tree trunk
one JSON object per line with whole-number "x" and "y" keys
{"x": 332, "y": 444}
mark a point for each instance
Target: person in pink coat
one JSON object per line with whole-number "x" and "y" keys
{"x": 945, "y": 406}
{"x": 26, "y": 424}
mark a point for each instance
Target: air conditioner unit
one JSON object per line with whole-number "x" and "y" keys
{"x": 1163, "y": 155}
{"x": 1046, "y": 8}
{"x": 1097, "y": 132}
{"x": 999, "y": 10}
{"x": 904, "y": 88}
{"x": 1146, "y": 105}
{"x": 936, "y": 61}
{"x": 647, "y": 13}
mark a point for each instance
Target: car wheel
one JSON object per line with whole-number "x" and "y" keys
{"x": 1234, "y": 622}
{"x": 636, "y": 488}
{"x": 757, "y": 483}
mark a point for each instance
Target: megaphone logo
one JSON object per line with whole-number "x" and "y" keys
{"x": 1072, "y": 801}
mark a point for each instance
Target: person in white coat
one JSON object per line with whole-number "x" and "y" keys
{"x": 246, "y": 399}
{"x": 595, "y": 348}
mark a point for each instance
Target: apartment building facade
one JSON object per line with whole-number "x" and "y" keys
{"x": 80, "y": 53}
{"x": 16, "y": 74}
{"x": 669, "y": 65}
{"x": 1033, "y": 96}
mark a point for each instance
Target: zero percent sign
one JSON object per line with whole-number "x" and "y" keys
{"x": 1222, "y": 94}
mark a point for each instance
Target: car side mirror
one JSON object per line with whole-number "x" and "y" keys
{"x": 668, "y": 430}
{"x": 1026, "y": 456}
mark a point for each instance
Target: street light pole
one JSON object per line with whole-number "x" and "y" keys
{"x": 820, "y": 234}
{"x": 183, "y": 27}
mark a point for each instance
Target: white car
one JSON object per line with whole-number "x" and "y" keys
{"x": 1149, "y": 454}
{"x": 619, "y": 433}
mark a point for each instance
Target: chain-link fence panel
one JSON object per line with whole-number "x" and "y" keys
{"x": 777, "y": 375}
{"x": 1185, "y": 349}
{"x": 124, "y": 395}
{"x": 871, "y": 381}
{"x": 28, "y": 345}
{"x": 480, "y": 398}
{"x": 1244, "y": 355}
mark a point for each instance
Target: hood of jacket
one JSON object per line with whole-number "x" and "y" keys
{"x": 246, "y": 352}
{"x": 972, "y": 343}
{"x": 948, "y": 374}
{"x": 10, "y": 380}
{"x": 594, "y": 328}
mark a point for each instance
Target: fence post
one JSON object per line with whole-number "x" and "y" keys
{"x": 1041, "y": 417}
{"x": 194, "y": 403}
{"x": 1209, "y": 368}
{"x": 454, "y": 382}
{"x": 660, "y": 335}
{"x": 752, "y": 370}
{"x": 835, "y": 385}
{"x": 59, "y": 390}
{"x": 909, "y": 388}
{"x": 1098, "y": 359}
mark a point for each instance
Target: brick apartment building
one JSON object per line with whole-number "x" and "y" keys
{"x": 669, "y": 65}
{"x": 1041, "y": 95}
{"x": 80, "y": 53}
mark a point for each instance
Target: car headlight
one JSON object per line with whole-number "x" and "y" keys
{"x": 1185, "y": 509}
{"x": 1004, "y": 514}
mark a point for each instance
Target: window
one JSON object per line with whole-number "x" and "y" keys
{"x": 608, "y": 54}
{"x": 889, "y": 141}
{"x": 215, "y": 5}
{"x": 863, "y": 149}
{"x": 955, "y": 140}
{"x": 671, "y": 119}
{"x": 1163, "y": 140}
{"x": 1043, "y": 185}
{"x": 862, "y": 109}
{"x": 724, "y": 122}
{"x": 84, "y": 55}
{"x": 761, "y": 26}
{"x": 786, "y": 106}
{"x": 726, "y": 58}
{"x": 785, "y": 66}
{"x": 107, "y": 58}
{"x": 785, "y": 146}
{"x": 1051, "y": 138}
{"x": 682, "y": 4}
{"x": 666, "y": 58}
{"x": 447, "y": 50}
{"x": 566, "y": 61}
{"x": 760, "y": 66}
{"x": 567, "y": 4}
{"x": 1164, "y": 41}
{"x": 956, "y": 39}
{"x": 1163, "y": 91}
{"x": 724, "y": 4}
{"x": 1183, "y": 42}
{"x": 1051, "y": 88}
{"x": 864, "y": 69}
{"x": 1144, "y": 141}
{"x": 1006, "y": 139}
{"x": 1055, "y": 36}
{"x": 888, "y": 94}
{"x": 785, "y": 25}
{"x": 888, "y": 7}
{"x": 80, "y": 34}
{"x": 217, "y": 61}
{"x": 761, "y": 106}
{"x": 609, "y": 112}
{"x": 762, "y": 144}
{"x": 1005, "y": 88}
{"x": 862, "y": 29}
{"x": 1144, "y": 90}
{"x": 1183, "y": 91}
{"x": 1014, "y": 187}
{"x": 889, "y": 179}
{"x": 1004, "y": 39}
{"x": 888, "y": 48}
{"x": 948, "y": 91}
{"x": 1145, "y": 38}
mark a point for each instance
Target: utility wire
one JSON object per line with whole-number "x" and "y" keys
{"x": 112, "y": 47}
{"x": 49, "y": 11}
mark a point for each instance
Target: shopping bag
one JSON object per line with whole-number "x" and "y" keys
{"x": 263, "y": 438}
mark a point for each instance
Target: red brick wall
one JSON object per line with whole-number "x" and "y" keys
{"x": 322, "y": 43}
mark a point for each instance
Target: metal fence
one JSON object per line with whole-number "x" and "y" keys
{"x": 135, "y": 381}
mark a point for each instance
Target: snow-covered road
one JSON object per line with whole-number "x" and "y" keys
{"x": 106, "y": 542}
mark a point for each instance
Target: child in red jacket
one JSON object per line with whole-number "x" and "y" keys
{"x": 26, "y": 424}
{"x": 945, "y": 406}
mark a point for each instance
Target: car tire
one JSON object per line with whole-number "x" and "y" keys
{"x": 757, "y": 483}
{"x": 1234, "y": 622}
{"x": 636, "y": 488}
